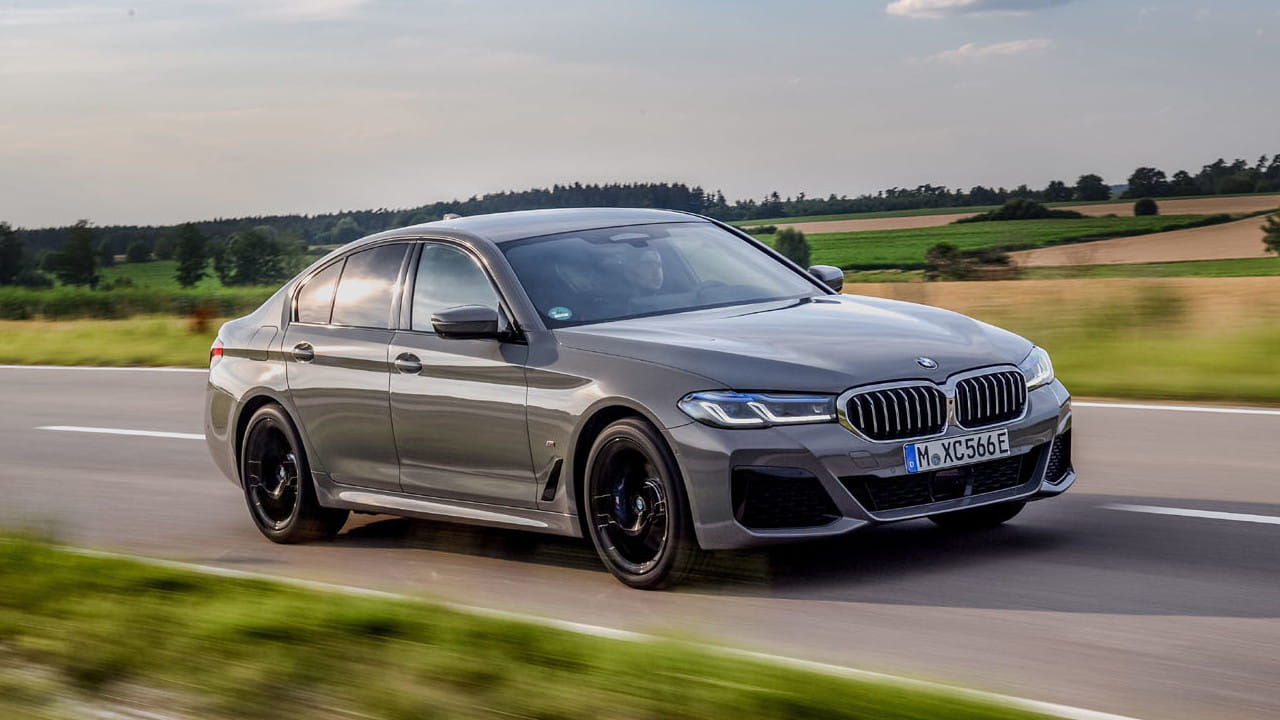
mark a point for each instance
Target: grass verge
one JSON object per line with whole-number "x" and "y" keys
{"x": 884, "y": 249}
{"x": 141, "y": 341}
{"x": 107, "y": 630}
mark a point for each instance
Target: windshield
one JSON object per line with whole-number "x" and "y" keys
{"x": 614, "y": 273}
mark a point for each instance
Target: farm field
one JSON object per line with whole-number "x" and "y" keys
{"x": 153, "y": 274}
{"x": 935, "y": 217}
{"x": 1235, "y": 267}
{"x": 906, "y": 248}
{"x": 1171, "y": 338}
{"x": 1239, "y": 239}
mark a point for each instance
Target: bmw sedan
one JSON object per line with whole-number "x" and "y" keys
{"x": 659, "y": 382}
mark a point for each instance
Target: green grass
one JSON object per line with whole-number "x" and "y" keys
{"x": 1239, "y": 267}
{"x": 970, "y": 209}
{"x": 102, "y": 631}
{"x": 154, "y": 274}
{"x": 140, "y": 341}
{"x": 879, "y": 249}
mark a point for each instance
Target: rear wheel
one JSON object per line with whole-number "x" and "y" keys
{"x": 978, "y": 518}
{"x": 636, "y": 511}
{"x": 277, "y": 482}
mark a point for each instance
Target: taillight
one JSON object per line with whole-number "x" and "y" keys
{"x": 216, "y": 350}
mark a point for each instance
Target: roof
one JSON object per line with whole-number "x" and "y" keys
{"x": 504, "y": 227}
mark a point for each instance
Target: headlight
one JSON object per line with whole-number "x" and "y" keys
{"x": 1037, "y": 368}
{"x": 728, "y": 409}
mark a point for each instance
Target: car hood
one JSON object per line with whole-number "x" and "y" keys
{"x": 824, "y": 344}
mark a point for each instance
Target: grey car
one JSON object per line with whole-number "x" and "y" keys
{"x": 659, "y": 382}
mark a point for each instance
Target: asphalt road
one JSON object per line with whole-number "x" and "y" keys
{"x": 1148, "y": 615}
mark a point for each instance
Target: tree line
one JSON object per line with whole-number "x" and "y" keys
{"x": 266, "y": 249}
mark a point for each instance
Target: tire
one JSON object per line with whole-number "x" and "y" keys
{"x": 636, "y": 510}
{"x": 979, "y": 518}
{"x": 277, "y": 482}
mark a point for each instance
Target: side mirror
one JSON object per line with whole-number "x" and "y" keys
{"x": 832, "y": 277}
{"x": 466, "y": 322}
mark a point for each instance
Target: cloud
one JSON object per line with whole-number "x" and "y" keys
{"x": 948, "y": 8}
{"x": 971, "y": 52}
{"x": 307, "y": 10}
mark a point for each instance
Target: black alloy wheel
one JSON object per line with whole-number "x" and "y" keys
{"x": 636, "y": 510}
{"x": 979, "y": 518}
{"x": 277, "y": 486}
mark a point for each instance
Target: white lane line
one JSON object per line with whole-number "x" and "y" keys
{"x": 111, "y": 369}
{"x": 121, "y": 431}
{"x": 1187, "y": 512}
{"x": 1067, "y": 712}
{"x": 1179, "y": 408}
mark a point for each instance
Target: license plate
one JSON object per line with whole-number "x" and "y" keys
{"x": 962, "y": 450}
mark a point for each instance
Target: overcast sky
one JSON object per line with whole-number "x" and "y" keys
{"x": 158, "y": 111}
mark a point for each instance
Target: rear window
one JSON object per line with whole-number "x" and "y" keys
{"x": 315, "y": 301}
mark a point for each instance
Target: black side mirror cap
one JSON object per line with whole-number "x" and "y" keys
{"x": 832, "y": 277}
{"x": 467, "y": 322}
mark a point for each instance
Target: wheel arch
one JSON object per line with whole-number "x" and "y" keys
{"x": 251, "y": 405}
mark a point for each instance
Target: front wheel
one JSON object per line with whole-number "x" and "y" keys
{"x": 979, "y": 518}
{"x": 636, "y": 511}
{"x": 277, "y": 482}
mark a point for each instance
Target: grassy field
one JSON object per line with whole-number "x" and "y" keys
{"x": 906, "y": 248}
{"x": 970, "y": 209}
{"x": 85, "y": 637}
{"x": 154, "y": 274}
{"x": 1238, "y": 267}
{"x": 1149, "y": 338}
{"x": 154, "y": 341}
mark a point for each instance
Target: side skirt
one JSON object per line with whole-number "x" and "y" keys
{"x": 332, "y": 495}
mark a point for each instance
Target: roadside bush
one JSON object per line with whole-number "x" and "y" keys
{"x": 1146, "y": 206}
{"x": 761, "y": 229}
{"x": 1272, "y": 237}
{"x": 945, "y": 261}
{"x": 1021, "y": 209}
{"x": 793, "y": 244}
{"x": 65, "y": 303}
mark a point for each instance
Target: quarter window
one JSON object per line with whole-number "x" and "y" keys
{"x": 315, "y": 300}
{"x": 367, "y": 289}
{"x": 448, "y": 277}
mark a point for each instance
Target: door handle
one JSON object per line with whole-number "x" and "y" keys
{"x": 304, "y": 352}
{"x": 408, "y": 363}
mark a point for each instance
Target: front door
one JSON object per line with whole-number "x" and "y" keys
{"x": 458, "y": 406}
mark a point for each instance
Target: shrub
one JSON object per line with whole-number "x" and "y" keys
{"x": 761, "y": 229}
{"x": 1021, "y": 209}
{"x": 1146, "y": 206}
{"x": 1272, "y": 237}
{"x": 137, "y": 252}
{"x": 945, "y": 261}
{"x": 793, "y": 244}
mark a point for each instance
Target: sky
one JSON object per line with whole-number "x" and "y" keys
{"x": 162, "y": 111}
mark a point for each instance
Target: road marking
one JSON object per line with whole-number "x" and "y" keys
{"x": 1067, "y": 712}
{"x": 1179, "y": 408}
{"x": 111, "y": 369}
{"x": 121, "y": 431}
{"x": 1186, "y": 512}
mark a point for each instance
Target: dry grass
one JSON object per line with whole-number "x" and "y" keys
{"x": 1158, "y": 338}
{"x": 1239, "y": 239}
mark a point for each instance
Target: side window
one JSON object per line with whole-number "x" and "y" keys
{"x": 448, "y": 277}
{"x": 367, "y": 288}
{"x": 315, "y": 300}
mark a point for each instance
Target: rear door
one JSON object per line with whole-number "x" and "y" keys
{"x": 337, "y": 365}
{"x": 458, "y": 406}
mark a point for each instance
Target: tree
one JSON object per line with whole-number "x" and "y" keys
{"x": 793, "y": 244}
{"x": 1090, "y": 187}
{"x": 76, "y": 262}
{"x": 345, "y": 230}
{"x": 12, "y": 254}
{"x": 192, "y": 253}
{"x": 164, "y": 248}
{"x": 1146, "y": 206}
{"x": 137, "y": 252}
{"x": 1183, "y": 184}
{"x": 1272, "y": 237}
{"x": 1147, "y": 182}
{"x": 106, "y": 254}
{"x": 250, "y": 258}
{"x": 1056, "y": 191}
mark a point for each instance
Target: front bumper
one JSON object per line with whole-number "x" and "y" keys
{"x": 713, "y": 459}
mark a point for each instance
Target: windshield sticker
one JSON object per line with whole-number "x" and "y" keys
{"x": 559, "y": 312}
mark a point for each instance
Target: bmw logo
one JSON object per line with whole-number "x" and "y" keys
{"x": 927, "y": 363}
